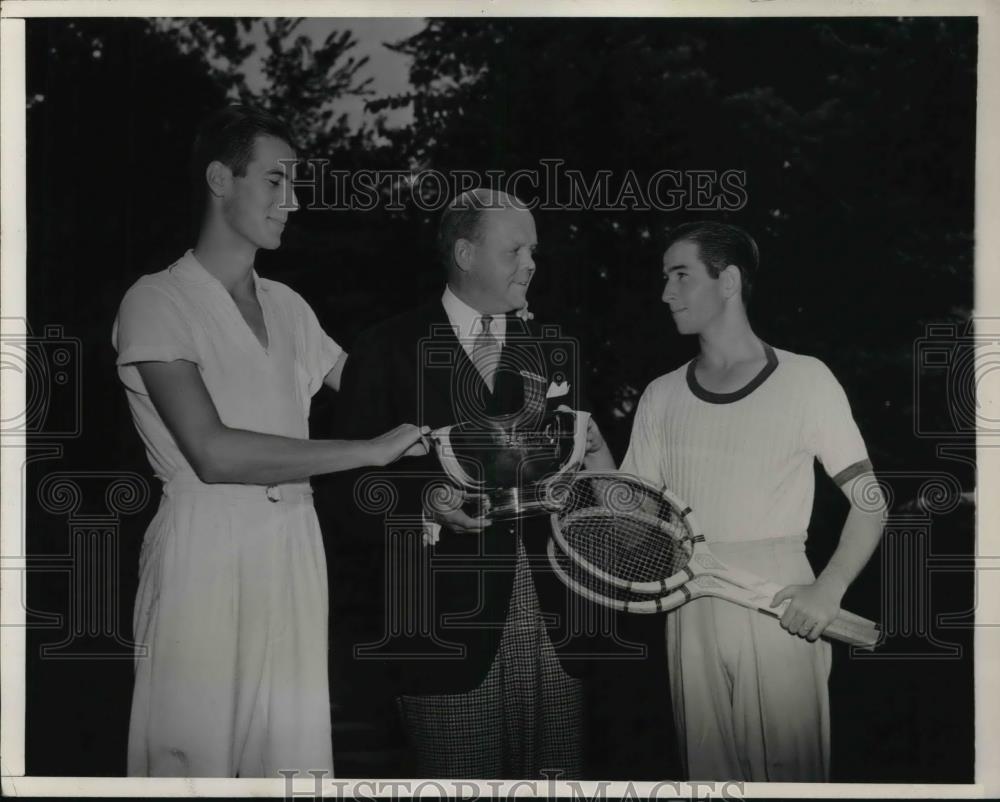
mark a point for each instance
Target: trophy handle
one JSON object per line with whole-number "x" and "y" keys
{"x": 580, "y": 422}
{"x": 446, "y": 455}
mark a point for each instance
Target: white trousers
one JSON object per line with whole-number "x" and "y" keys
{"x": 231, "y": 626}
{"x": 750, "y": 700}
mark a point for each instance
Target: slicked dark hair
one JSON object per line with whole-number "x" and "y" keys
{"x": 463, "y": 219}
{"x": 721, "y": 245}
{"x": 228, "y": 135}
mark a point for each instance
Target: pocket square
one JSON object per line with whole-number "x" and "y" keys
{"x": 556, "y": 390}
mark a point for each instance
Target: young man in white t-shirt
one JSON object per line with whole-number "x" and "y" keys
{"x": 734, "y": 433}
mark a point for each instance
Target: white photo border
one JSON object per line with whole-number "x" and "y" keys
{"x": 12, "y": 398}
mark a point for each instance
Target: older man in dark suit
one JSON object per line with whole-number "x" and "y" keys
{"x": 482, "y": 686}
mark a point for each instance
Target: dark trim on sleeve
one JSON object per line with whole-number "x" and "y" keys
{"x": 851, "y": 471}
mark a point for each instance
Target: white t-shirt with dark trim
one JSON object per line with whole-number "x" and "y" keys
{"x": 744, "y": 460}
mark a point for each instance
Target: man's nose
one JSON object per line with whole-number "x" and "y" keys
{"x": 668, "y": 293}
{"x": 292, "y": 201}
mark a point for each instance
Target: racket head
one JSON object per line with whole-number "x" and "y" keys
{"x": 604, "y": 520}
{"x": 588, "y": 586}
{"x": 624, "y": 531}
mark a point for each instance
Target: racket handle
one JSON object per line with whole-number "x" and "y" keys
{"x": 853, "y": 629}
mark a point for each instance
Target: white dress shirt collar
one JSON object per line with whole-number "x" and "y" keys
{"x": 466, "y": 321}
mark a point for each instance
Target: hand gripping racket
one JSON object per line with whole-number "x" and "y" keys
{"x": 620, "y": 542}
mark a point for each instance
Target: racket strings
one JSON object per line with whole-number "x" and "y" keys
{"x": 632, "y": 550}
{"x": 621, "y": 529}
{"x": 590, "y": 586}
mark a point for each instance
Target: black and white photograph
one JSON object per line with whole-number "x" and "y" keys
{"x": 591, "y": 400}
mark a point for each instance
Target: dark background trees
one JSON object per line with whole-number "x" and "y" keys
{"x": 856, "y": 137}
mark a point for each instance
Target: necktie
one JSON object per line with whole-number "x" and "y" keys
{"x": 486, "y": 352}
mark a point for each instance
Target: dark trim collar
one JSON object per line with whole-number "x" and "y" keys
{"x": 736, "y": 395}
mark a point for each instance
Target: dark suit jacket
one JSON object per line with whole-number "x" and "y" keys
{"x": 440, "y": 610}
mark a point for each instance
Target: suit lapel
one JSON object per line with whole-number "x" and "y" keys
{"x": 508, "y": 385}
{"x": 450, "y": 362}
{"x": 521, "y": 353}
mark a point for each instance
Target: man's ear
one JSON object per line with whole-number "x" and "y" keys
{"x": 732, "y": 281}
{"x": 219, "y": 178}
{"x": 463, "y": 252}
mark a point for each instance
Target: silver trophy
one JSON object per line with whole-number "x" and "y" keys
{"x": 512, "y": 467}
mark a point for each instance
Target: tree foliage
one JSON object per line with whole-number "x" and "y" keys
{"x": 854, "y": 136}
{"x": 306, "y": 81}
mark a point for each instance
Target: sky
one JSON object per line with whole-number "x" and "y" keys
{"x": 389, "y": 70}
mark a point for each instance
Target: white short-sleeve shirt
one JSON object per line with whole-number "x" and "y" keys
{"x": 184, "y": 312}
{"x": 744, "y": 460}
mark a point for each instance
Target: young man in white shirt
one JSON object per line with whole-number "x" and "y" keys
{"x": 219, "y": 366}
{"x": 734, "y": 433}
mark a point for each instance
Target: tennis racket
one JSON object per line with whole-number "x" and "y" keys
{"x": 620, "y": 542}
